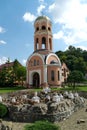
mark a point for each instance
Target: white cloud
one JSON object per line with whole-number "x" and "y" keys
{"x": 51, "y": 7}
{"x": 2, "y": 30}
{"x": 3, "y": 60}
{"x": 24, "y": 61}
{"x": 40, "y": 9}
{"x": 71, "y": 16}
{"x": 82, "y": 47}
{"x": 58, "y": 35}
{"x": 28, "y": 17}
{"x": 2, "y": 42}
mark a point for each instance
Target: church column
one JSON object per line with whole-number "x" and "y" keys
{"x": 45, "y": 73}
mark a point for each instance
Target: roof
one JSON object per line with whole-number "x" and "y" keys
{"x": 43, "y": 17}
{"x": 8, "y": 64}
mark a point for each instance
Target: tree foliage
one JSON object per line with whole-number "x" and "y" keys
{"x": 75, "y": 77}
{"x": 12, "y": 75}
{"x": 75, "y": 59}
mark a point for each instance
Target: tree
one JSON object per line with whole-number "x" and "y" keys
{"x": 11, "y": 73}
{"x": 75, "y": 59}
{"x": 75, "y": 77}
{"x": 21, "y": 74}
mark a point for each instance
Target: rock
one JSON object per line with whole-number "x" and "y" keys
{"x": 86, "y": 110}
{"x": 39, "y": 108}
{"x": 80, "y": 121}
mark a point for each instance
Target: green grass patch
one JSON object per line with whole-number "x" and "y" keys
{"x": 77, "y": 88}
{"x": 13, "y": 89}
{"x": 10, "y": 89}
{"x": 42, "y": 125}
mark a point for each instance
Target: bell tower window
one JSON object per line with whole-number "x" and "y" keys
{"x": 37, "y": 29}
{"x": 37, "y": 44}
{"x": 43, "y": 28}
{"x": 49, "y": 29}
{"x": 43, "y": 43}
{"x": 50, "y": 44}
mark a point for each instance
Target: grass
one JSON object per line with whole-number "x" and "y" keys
{"x": 10, "y": 89}
{"x": 13, "y": 89}
{"x": 77, "y": 88}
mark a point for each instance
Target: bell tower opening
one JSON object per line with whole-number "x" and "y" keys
{"x": 43, "y": 43}
{"x": 37, "y": 44}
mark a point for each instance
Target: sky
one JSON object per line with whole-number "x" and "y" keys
{"x": 69, "y": 26}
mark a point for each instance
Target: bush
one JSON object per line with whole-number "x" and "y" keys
{"x": 42, "y": 125}
{"x": 3, "y": 110}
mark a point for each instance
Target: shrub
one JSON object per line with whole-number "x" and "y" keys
{"x": 42, "y": 125}
{"x": 3, "y": 110}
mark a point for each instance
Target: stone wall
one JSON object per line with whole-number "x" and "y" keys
{"x": 52, "y": 111}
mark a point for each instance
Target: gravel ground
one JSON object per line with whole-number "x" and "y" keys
{"x": 71, "y": 122}
{"x": 68, "y": 124}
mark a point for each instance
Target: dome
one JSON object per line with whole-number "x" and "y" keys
{"x": 42, "y": 18}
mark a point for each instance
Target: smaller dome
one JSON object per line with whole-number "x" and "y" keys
{"x": 42, "y": 18}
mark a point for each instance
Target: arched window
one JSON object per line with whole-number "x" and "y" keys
{"x": 52, "y": 75}
{"x": 52, "y": 62}
{"x": 50, "y": 44}
{"x": 37, "y": 62}
{"x": 43, "y": 43}
{"x": 43, "y": 28}
{"x": 37, "y": 29}
{"x": 58, "y": 75}
{"x": 34, "y": 62}
{"x": 37, "y": 44}
{"x": 49, "y": 29}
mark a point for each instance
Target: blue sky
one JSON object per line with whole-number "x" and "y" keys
{"x": 69, "y": 25}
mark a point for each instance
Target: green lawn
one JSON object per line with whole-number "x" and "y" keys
{"x": 10, "y": 89}
{"x": 13, "y": 89}
{"x": 77, "y": 88}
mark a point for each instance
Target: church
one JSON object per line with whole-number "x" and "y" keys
{"x": 43, "y": 65}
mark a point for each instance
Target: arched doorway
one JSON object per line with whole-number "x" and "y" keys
{"x": 36, "y": 80}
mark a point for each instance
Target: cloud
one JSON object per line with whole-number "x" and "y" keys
{"x": 24, "y": 61}
{"x": 28, "y": 17}
{"x": 40, "y": 9}
{"x": 58, "y": 35}
{"x": 2, "y": 30}
{"x": 2, "y": 42}
{"x": 82, "y": 47}
{"x": 71, "y": 16}
{"x": 3, "y": 60}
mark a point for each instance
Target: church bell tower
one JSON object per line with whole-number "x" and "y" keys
{"x": 43, "y": 34}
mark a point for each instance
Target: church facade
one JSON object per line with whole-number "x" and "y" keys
{"x": 43, "y": 66}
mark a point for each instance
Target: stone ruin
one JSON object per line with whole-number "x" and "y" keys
{"x": 22, "y": 108}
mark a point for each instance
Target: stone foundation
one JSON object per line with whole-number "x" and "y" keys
{"x": 51, "y": 111}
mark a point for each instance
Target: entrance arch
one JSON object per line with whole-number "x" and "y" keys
{"x": 36, "y": 80}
